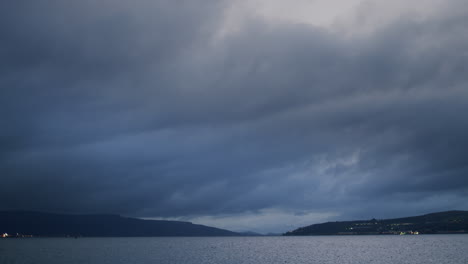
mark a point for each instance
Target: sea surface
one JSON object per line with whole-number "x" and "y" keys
{"x": 437, "y": 249}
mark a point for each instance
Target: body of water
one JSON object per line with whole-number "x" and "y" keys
{"x": 424, "y": 249}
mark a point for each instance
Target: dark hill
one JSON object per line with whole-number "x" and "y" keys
{"x": 435, "y": 223}
{"x": 48, "y": 224}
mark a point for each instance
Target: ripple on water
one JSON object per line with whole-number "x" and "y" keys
{"x": 424, "y": 249}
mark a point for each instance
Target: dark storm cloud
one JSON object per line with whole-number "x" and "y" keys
{"x": 143, "y": 109}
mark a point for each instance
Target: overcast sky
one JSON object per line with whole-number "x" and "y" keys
{"x": 262, "y": 115}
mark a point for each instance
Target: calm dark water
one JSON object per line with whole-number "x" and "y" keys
{"x": 326, "y": 249}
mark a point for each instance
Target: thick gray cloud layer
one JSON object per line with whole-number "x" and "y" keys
{"x": 144, "y": 109}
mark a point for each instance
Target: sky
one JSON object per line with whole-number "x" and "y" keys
{"x": 241, "y": 114}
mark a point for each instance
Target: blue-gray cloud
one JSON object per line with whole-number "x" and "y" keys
{"x": 142, "y": 109}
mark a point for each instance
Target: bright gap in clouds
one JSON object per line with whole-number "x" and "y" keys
{"x": 263, "y": 221}
{"x": 315, "y": 12}
{"x": 350, "y": 15}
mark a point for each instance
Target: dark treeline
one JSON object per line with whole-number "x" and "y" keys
{"x": 436, "y": 223}
{"x": 48, "y": 224}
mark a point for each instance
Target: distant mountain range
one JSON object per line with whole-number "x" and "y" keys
{"x": 39, "y": 224}
{"x": 48, "y": 224}
{"x": 451, "y": 222}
